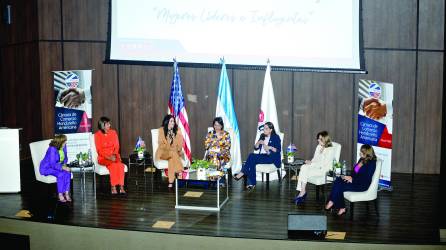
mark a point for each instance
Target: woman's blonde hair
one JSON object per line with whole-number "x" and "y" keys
{"x": 58, "y": 141}
{"x": 325, "y": 138}
{"x": 369, "y": 153}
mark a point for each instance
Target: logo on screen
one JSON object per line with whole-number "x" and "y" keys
{"x": 375, "y": 90}
{"x": 72, "y": 80}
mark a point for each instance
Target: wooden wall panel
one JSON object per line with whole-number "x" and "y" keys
{"x": 397, "y": 67}
{"x": 138, "y": 101}
{"x": 143, "y": 96}
{"x": 48, "y": 63}
{"x": 20, "y": 94}
{"x": 248, "y": 87}
{"x": 431, "y": 24}
{"x": 23, "y": 27}
{"x": 104, "y": 81}
{"x": 200, "y": 88}
{"x": 85, "y": 20}
{"x": 429, "y": 111}
{"x": 390, "y": 24}
{"x": 9, "y": 88}
{"x": 323, "y": 102}
{"x": 283, "y": 86}
{"x": 49, "y": 19}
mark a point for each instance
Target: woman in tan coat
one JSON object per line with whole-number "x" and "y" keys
{"x": 170, "y": 147}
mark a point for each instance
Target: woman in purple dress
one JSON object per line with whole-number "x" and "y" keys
{"x": 359, "y": 181}
{"x": 54, "y": 163}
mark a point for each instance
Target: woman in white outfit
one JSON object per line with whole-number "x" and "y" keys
{"x": 318, "y": 166}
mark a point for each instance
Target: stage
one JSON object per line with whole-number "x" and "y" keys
{"x": 407, "y": 214}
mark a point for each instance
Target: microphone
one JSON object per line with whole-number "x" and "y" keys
{"x": 262, "y": 137}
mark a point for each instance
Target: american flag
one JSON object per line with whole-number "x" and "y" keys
{"x": 178, "y": 109}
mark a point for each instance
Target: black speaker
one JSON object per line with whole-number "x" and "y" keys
{"x": 307, "y": 226}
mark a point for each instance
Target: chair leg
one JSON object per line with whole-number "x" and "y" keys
{"x": 262, "y": 177}
{"x": 376, "y": 207}
{"x": 267, "y": 180}
{"x": 126, "y": 177}
{"x": 352, "y": 205}
{"x": 279, "y": 175}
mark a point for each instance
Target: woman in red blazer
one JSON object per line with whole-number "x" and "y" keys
{"x": 107, "y": 146}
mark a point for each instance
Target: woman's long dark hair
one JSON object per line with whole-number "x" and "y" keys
{"x": 165, "y": 125}
{"x": 101, "y": 123}
{"x": 271, "y": 126}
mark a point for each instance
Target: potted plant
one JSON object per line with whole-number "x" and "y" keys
{"x": 290, "y": 151}
{"x": 337, "y": 167}
{"x": 140, "y": 148}
{"x": 290, "y": 157}
{"x": 200, "y": 166}
{"x": 82, "y": 158}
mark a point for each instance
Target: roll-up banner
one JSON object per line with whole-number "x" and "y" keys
{"x": 73, "y": 109}
{"x": 375, "y": 123}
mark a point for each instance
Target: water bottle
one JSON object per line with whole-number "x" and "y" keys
{"x": 90, "y": 158}
{"x": 333, "y": 166}
{"x": 344, "y": 167}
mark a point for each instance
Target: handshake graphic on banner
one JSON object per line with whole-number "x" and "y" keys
{"x": 71, "y": 97}
{"x": 374, "y": 108}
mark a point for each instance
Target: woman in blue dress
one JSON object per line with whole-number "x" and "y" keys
{"x": 270, "y": 149}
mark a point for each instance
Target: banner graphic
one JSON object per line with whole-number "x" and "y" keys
{"x": 375, "y": 123}
{"x": 73, "y": 110}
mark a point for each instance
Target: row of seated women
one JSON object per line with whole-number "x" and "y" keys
{"x": 217, "y": 145}
{"x": 359, "y": 181}
{"x": 107, "y": 145}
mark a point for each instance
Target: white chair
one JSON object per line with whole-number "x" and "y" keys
{"x": 98, "y": 168}
{"x": 163, "y": 164}
{"x": 324, "y": 179}
{"x": 370, "y": 194}
{"x": 271, "y": 168}
{"x": 38, "y": 151}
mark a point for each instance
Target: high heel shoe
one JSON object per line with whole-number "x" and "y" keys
{"x": 300, "y": 199}
{"x": 68, "y": 198}
{"x": 328, "y": 209}
{"x": 339, "y": 214}
{"x": 237, "y": 178}
{"x": 62, "y": 198}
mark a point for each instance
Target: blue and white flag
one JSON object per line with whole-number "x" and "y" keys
{"x": 225, "y": 110}
{"x": 138, "y": 143}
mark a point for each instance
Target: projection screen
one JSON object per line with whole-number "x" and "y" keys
{"x": 313, "y": 34}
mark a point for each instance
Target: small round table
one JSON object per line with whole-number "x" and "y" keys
{"x": 295, "y": 166}
{"x": 134, "y": 160}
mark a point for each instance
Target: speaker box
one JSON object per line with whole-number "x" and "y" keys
{"x": 307, "y": 226}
